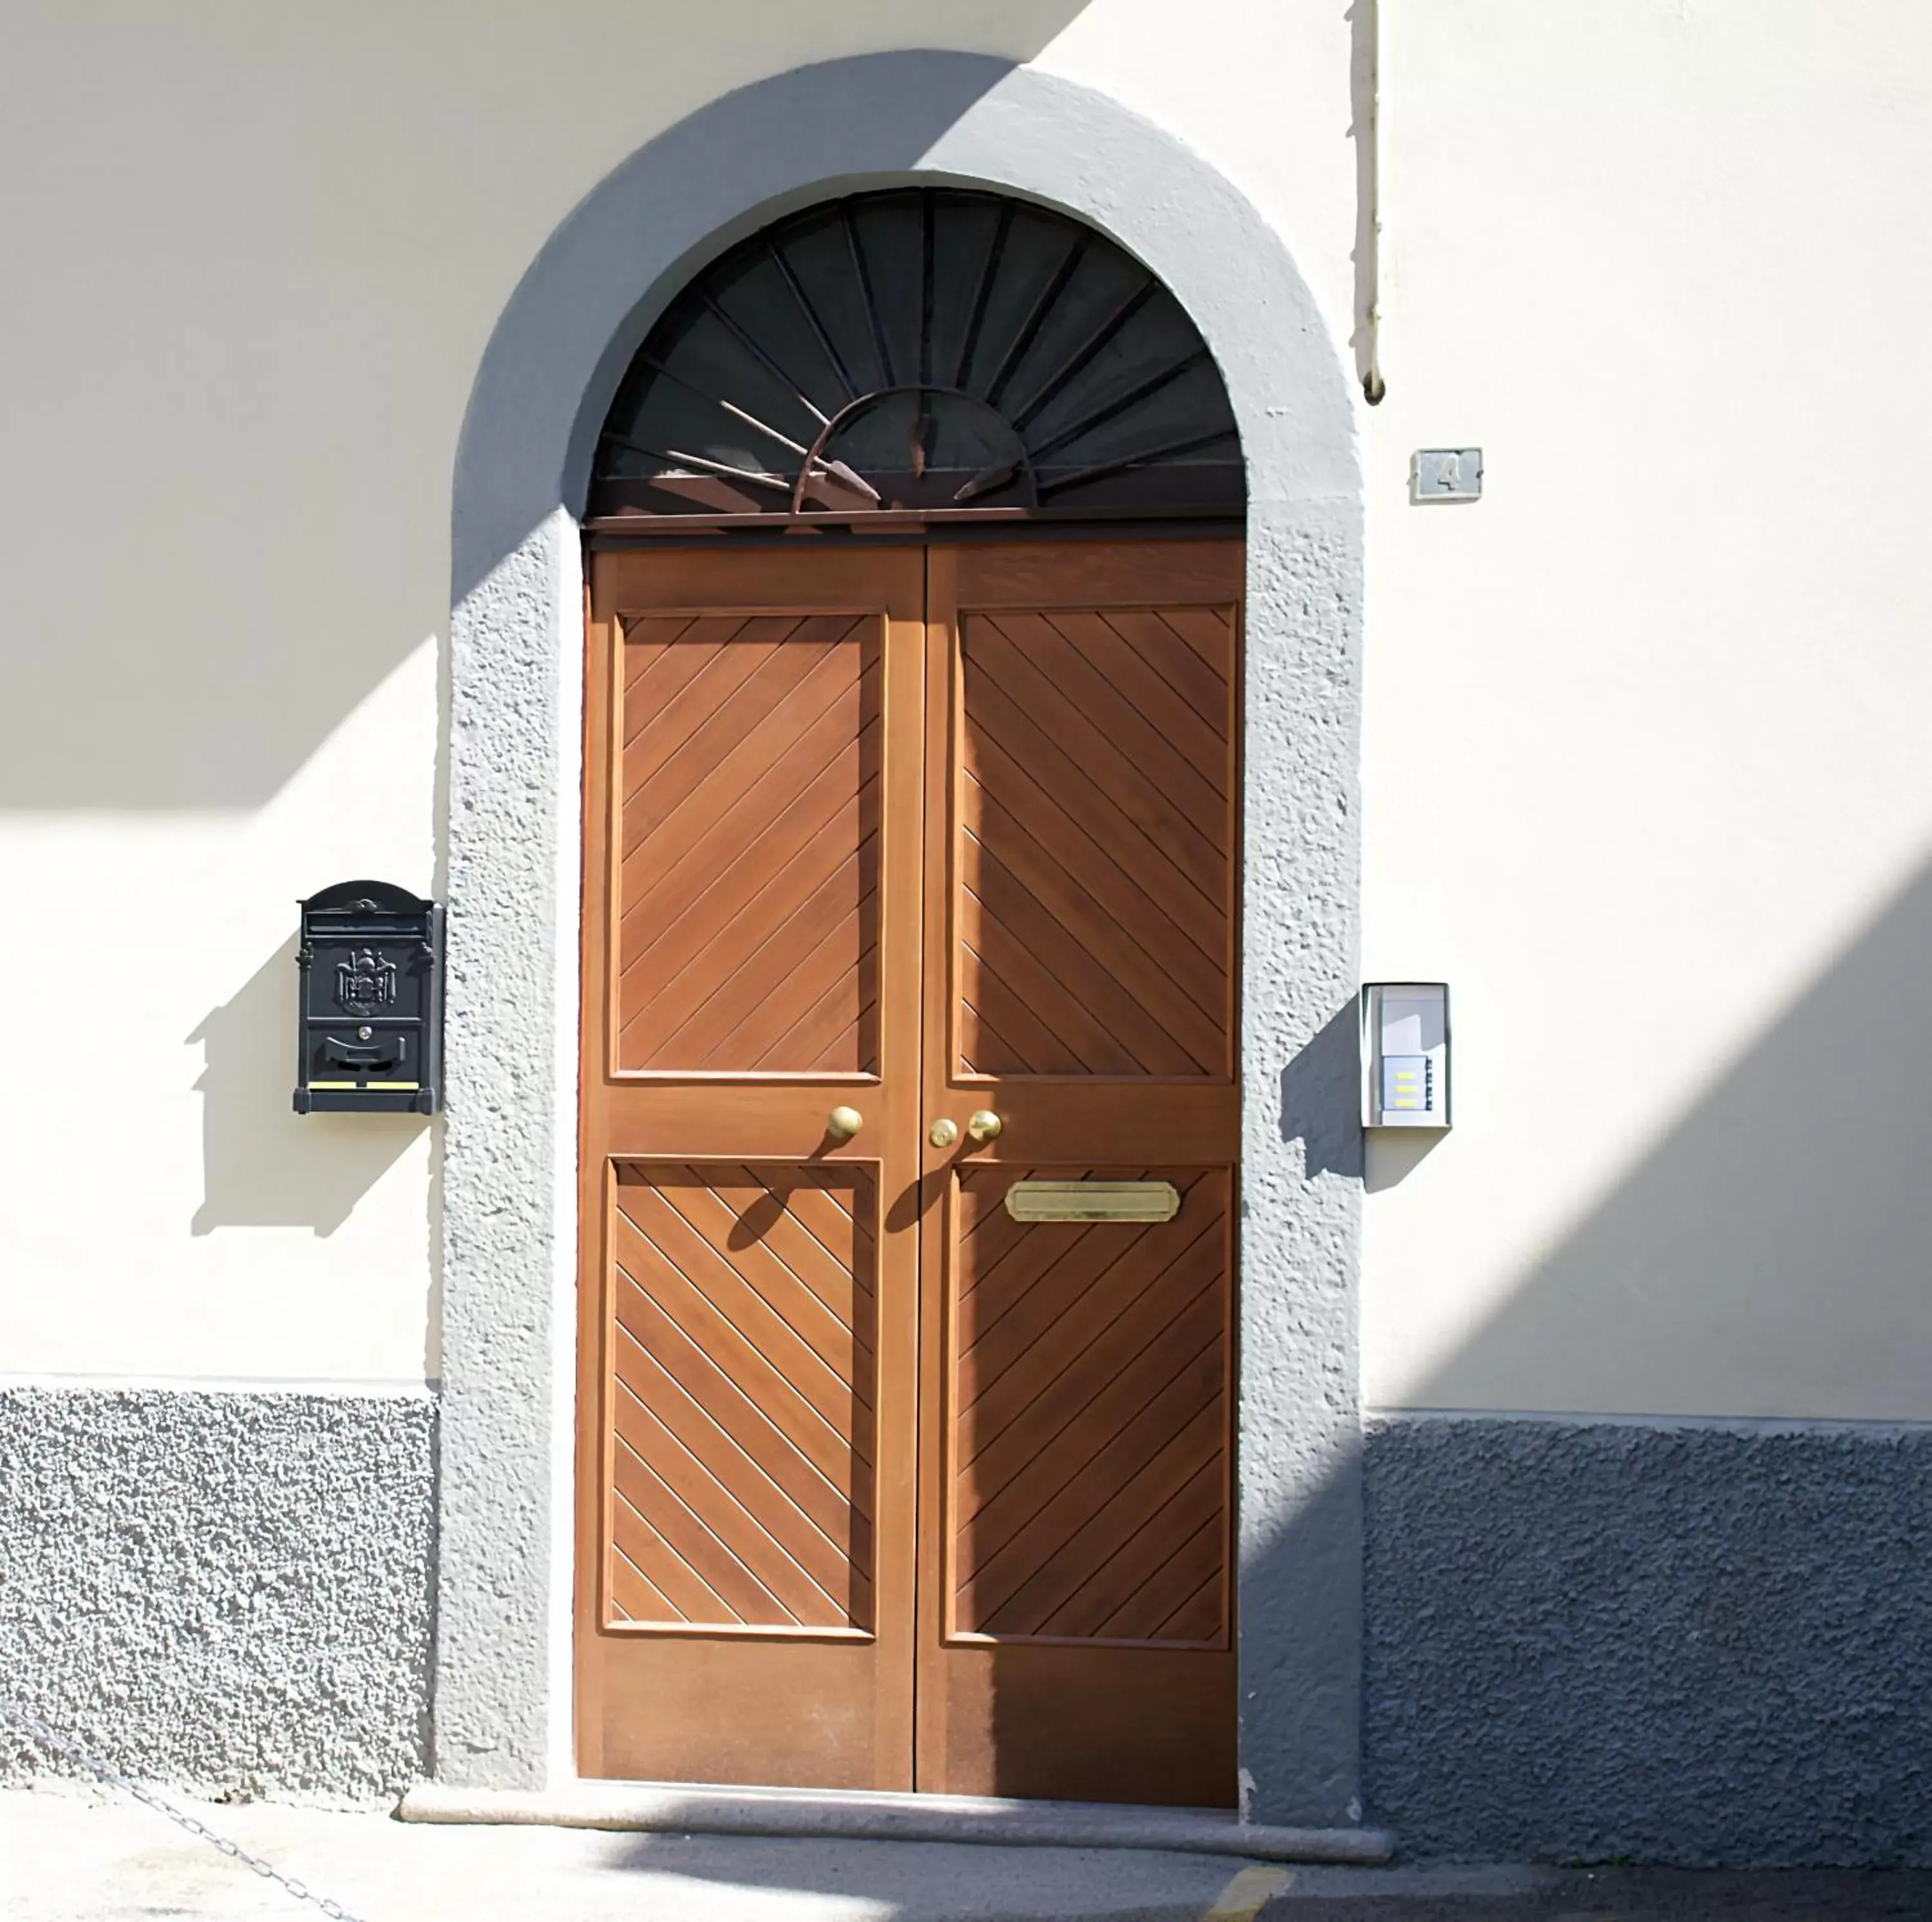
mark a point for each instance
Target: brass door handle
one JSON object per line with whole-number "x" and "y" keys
{"x": 843, "y": 1123}
{"x": 945, "y": 1132}
{"x": 983, "y": 1125}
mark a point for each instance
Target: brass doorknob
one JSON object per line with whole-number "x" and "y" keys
{"x": 945, "y": 1132}
{"x": 983, "y": 1124}
{"x": 843, "y": 1123}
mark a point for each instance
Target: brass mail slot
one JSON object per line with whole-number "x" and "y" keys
{"x": 1092, "y": 1201}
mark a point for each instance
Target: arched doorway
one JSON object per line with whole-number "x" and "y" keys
{"x": 911, "y": 1100}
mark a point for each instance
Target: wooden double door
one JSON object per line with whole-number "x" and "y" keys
{"x": 897, "y": 1469}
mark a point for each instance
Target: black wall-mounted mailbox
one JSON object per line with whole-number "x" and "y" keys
{"x": 370, "y": 1024}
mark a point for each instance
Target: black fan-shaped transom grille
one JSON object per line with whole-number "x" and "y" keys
{"x": 924, "y": 348}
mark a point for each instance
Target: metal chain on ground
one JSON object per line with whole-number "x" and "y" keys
{"x": 65, "y": 1745}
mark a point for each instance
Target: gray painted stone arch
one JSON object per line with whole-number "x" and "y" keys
{"x": 501, "y": 1696}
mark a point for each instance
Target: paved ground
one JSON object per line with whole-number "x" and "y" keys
{"x": 1639, "y": 1895}
{"x": 70, "y": 1855}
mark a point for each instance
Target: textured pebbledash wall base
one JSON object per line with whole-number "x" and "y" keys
{"x": 230, "y": 1592}
{"x": 1682, "y": 1642}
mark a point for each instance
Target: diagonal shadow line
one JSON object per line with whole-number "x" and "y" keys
{"x": 683, "y": 1560}
{"x": 1226, "y": 632}
{"x": 1009, "y": 834}
{"x": 1027, "y": 684}
{"x": 748, "y": 750}
{"x": 824, "y": 735}
{"x": 617, "y": 1548}
{"x": 1096, "y": 844}
{"x": 1098, "y": 1279}
{"x": 1213, "y": 779}
{"x": 656, "y": 651}
{"x": 827, "y": 1182}
{"x": 783, "y": 648}
{"x": 684, "y": 1567}
{"x": 851, "y": 925}
{"x": 864, "y": 967}
{"x": 1187, "y": 1489}
{"x": 1147, "y": 856}
{"x": 1211, "y": 1540}
{"x": 977, "y": 947}
{"x": 1091, "y": 1338}
{"x": 753, "y": 1179}
{"x": 1019, "y": 1244}
{"x": 1184, "y": 1187}
{"x": 990, "y": 979}
{"x": 1134, "y": 1002}
{"x": 1219, "y": 718}
{"x": 1119, "y": 1498}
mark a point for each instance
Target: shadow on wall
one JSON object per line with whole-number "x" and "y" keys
{"x": 263, "y": 1165}
{"x": 1321, "y": 1099}
{"x": 220, "y": 644}
{"x": 1321, "y": 1106}
{"x": 1671, "y": 1640}
{"x": 1685, "y": 1641}
{"x": 282, "y": 543}
{"x": 1789, "y": 1213}
{"x": 1364, "y": 87}
{"x": 1679, "y": 1641}
{"x": 509, "y": 490}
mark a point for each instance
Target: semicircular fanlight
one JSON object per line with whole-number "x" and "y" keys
{"x": 929, "y": 349}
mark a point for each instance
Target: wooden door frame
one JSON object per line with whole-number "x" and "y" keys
{"x": 507, "y": 1172}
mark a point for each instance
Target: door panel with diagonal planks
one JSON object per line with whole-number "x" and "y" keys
{"x": 1076, "y": 1410}
{"x": 742, "y": 1448}
{"x": 1090, "y": 1431}
{"x": 748, "y": 863}
{"x": 1094, "y": 843}
{"x": 879, "y": 1484}
{"x": 751, "y": 961}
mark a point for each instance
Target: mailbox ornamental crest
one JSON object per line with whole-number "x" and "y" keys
{"x": 365, "y": 981}
{"x": 369, "y": 1023}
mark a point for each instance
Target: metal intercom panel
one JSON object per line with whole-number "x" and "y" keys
{"x": 1405, "y": 1054}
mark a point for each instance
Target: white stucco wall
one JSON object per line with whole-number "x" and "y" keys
{"x": 1641, "y": 770}
{"x": 1646, "y": 775}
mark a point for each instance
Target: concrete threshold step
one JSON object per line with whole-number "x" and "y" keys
{"x": 884, "y": 1816}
